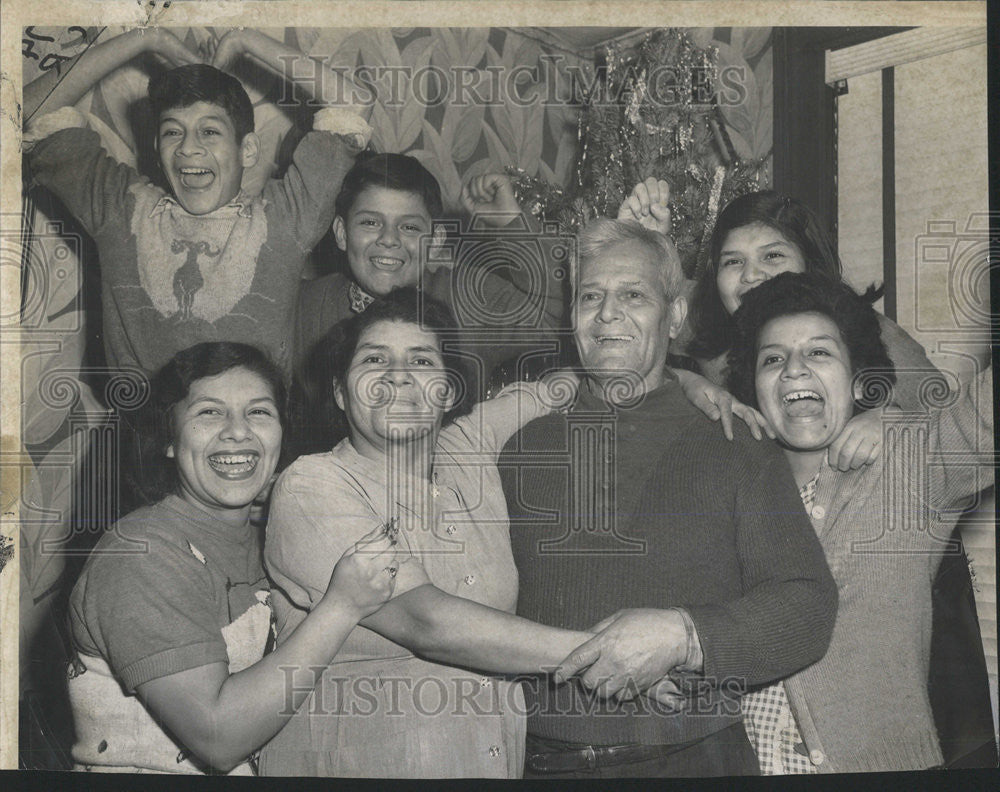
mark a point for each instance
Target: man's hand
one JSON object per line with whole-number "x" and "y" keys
{"x": 634, "y": 649}
{"x": 647, "y": 205}
{"x": 491, "y": 198}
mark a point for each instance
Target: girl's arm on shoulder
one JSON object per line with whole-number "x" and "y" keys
{"x": 720, "y": 405}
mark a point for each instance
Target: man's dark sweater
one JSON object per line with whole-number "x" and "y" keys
{"x": 651, "y": 507}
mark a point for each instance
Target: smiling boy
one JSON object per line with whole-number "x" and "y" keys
{"x": 202, "y": 152}
{"x": 385, "y": 224}
{"x": 204, "y": 260}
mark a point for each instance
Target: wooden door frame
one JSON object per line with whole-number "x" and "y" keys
{"x": 805, "y": 114}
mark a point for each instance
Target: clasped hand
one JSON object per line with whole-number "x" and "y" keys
{"x": 633, "y": 652}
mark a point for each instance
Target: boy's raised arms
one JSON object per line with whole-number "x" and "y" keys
{"x": 56, "y": 89}
{"x": 323, "y": 85}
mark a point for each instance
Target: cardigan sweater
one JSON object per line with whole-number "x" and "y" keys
{"x": 958, "y": 682}
{"x": 651, "y": 507}
{"x": 884, "y": 528}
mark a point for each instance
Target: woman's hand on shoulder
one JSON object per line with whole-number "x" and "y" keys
{"x": 647, "y": 205}
{"x": 720, "y": 405}
{"x": 859, "y": 444}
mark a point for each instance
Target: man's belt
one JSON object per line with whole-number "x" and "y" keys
{"x": 593, "y": 756}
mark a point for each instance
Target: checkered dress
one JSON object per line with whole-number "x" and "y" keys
{"x": 767, "y": 717}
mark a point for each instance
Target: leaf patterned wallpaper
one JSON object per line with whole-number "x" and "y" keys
{"x": 511, "y": 99}
{"x": 501, "y": 117}
{"x": 748, "y": 52}
{"x": 536, "y": 130}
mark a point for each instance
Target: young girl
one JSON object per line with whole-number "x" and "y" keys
{"x": 757, "y": 236}
{"x": 170, "y": 616}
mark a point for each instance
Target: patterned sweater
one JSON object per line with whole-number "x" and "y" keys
{"x": 170, "y": 279}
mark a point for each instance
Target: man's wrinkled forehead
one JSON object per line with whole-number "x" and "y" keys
{"x": 624, "y": 266}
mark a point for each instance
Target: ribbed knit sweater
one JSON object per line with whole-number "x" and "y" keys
{"x": 651, "y": 507}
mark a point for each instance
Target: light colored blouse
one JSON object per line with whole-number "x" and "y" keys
{"x": 379, "y": 711}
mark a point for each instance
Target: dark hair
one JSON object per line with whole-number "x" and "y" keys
{"x": 713, "y": 327}
{"x": 794, "y": 293}
{"x": 157, "y": 476}
{"x": 199, "y": 82}
{"x": 330, "y": 359}
{"x": 394, "y": 172}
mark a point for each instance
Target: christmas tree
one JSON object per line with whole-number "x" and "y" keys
{"x": 654, "y": 111}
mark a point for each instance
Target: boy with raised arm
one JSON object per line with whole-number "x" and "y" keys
{"x": 201, "y": 260}
{"x": 506, "y": 282}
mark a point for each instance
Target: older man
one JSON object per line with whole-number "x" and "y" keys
{"x": 635, "y": 501}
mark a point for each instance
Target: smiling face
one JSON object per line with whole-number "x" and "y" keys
{"x": 397, "y": 389}
{"x": 382, "y": 238}
{"x": 803, "y": 380}
{"x": 623, "y": 318}
{"x": 201, "y": 156}
{"x": 226, "y": 442}
{"x": 751, "y": 255}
